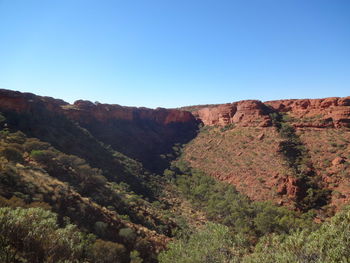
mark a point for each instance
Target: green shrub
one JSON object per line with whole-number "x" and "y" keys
{"x": 128, "y": 234}
{"x": 2, "y": 118}
{"x": 135, "y": 257}
{"x": 34, "y": 235}
{"x": 34, "y": 144}
{"x": 16, "y": 137}
{"x": 330, "y": 243}
{"x": 223, "y": 204}
{"x": 228, "y": 127}
{"x": 298, "y": 159}
{"x": 108, "y": 252}
{"x": 42, "y": 156}
{"x": 12, "y": 154}
{"x": 100, "y": 228}
{"x": 212, "y": 244}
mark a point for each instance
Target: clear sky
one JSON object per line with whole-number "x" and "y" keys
{"x": 171, "y": 53}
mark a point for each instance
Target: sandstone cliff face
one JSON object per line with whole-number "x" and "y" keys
{"x": 87, "y": 112}
{"x": 243, "y": 113}
{"x": 147, "y": 135}
{"x": 25, "y": 102}
{"x": 328, "y": 112}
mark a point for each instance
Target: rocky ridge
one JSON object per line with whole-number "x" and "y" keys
{"x": 86, "y": 111}
{"x": 140, "y": 133}
{"x": 328, "y": 112}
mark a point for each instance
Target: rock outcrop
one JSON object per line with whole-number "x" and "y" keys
{"x": 243, "y": 113}
{"x": 25, "y": 102}
{"x": 318, "y": 113}
{"x": 147, "y": 135}
{"x": 87, "y": 112}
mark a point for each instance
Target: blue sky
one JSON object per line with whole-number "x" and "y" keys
{"x": 171, "y": 53}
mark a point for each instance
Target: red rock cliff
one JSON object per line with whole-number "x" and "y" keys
{"x": 244, "y": 113}
{"x": 24, "y": 102}
{"x": 328, "y": 112}
{"x": 147, "y": 135}
{"x": 331, "y": 112}
{"x": 86, "y": 112}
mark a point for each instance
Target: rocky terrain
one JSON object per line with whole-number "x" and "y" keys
{"x": 141, "y": 133}
{"x": 328, "y": 112}
{"x": 247, "y": 152}
{"x": 140, "y": 177}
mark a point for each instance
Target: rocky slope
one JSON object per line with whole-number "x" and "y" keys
{"x": 238, "y": 144}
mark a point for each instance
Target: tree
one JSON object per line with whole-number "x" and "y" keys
{"x": 212, "y": 244}
{"x": 108, "y": 252}
{"x": 12, "y": 154}
{"x": 33, "y": 234}
{"x": 330, "y": 243}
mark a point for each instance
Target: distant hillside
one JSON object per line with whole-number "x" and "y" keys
{"x": 268, "y": 150}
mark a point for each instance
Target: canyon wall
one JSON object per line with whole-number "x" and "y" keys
{"x": 248, "y": 156}
{"x": 87, "y": 112}
{"x": 147, "y": 135}
{"x": 328, "y": 112}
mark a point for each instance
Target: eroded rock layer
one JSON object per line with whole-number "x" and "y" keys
{"x": 328, "y": 112}
{"x": 147, "y": 135}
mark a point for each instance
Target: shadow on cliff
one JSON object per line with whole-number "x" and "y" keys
{"x": 69, "y": 138}
{"x": 102, "y": 133}
{"x": 153, "y": 144}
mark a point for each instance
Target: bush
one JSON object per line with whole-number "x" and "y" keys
{"x": 329, "y": 243}
{"x": 108, "y": 252}
{"x": 34, "y": 144}
{"x": 212, "y": 244}
{"x": 34, "y": 235}
{"x": 100, "y": 228}
{"x": 2, "y": 118}
{"x": 135, "y": 257}
{"x": 12, "y": 154}
{"x": 128, "y": 234}
{"x": 42, "y": 156}
{"x": 223, "y": 204}
{"x": 298, "y": 159}
{"x": 228, "y": 127}
{"x": 273, "y": 219}
{"x": 16, "y": 137}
